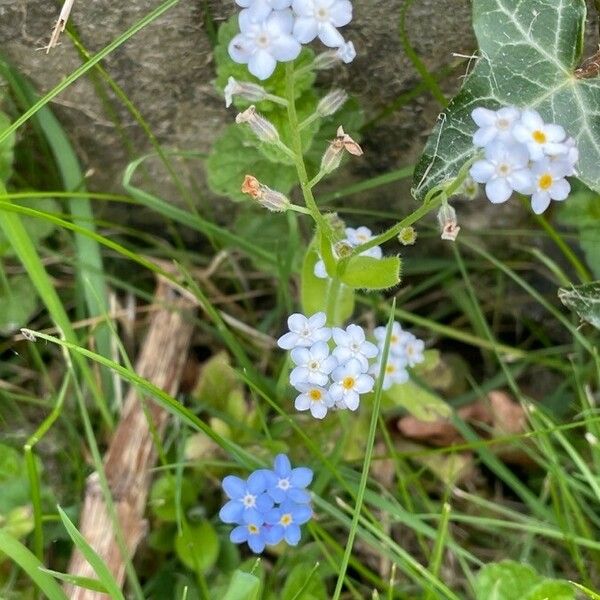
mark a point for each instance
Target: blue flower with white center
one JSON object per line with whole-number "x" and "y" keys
{"x": 285, "y": 522}
{"x": 256, "y": 535}
{"x": 248, "y": 501}
{"x": 285, "y": 483}
{"x": 349, "y": 383}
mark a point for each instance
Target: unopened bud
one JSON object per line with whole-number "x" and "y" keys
{"x": 592, "y": 440}
{"x": 263, "y": 129}
{"x": 448, "y": 223}
{"x": 336, "y": 223}
{"x": 327, "y": 60}
{"x": 470, "y": 188}
{"x": 264, "y": 195}
{"x": 347, "y": 52}
{"x": 333, "y": 155}
{"x": 407, "y": 236}
{"x": 342, "y": 249}
{"x": 248, "y": 91}
{"x": 331, "y": 103}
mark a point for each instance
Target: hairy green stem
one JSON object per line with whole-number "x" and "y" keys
{"x": 309, "y": 199}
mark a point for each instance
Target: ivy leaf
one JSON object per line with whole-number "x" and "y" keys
{"x": 584, "y": 300}
{"x": 529, "y": 53}
{"x": 233, "y": 156}
{"x": 6, "y": 150}
{"x": 367, "y": 273}
{"x": 314, "y": 291}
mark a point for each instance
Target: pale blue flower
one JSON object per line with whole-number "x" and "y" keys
{"x": 305, "y": 331}
{"x": 351, "y": 343}
{"x": 254, "y": 534}
{"x": 285, "y": 522}
{"x": 248, "y": 501}
{"x": 285, "y": 483}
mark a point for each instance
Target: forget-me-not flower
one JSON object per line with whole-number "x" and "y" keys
{"x": 395, "y": 371}
{"x": 248, "y": 500}
{"x": 261, "y": 9}
{"x": 285, "y": 521}
{"x": 349, "y": 383}
{"x": 321, "y": 18}
{"x": 549, "y": 184}
{"x": 494, "y": 124}
{"x": 542, "y": 139}
{"x": 262, "y": 43}
{"x": 314, "y": 364}
{"x": 287, "y": 483}
{"x": 352, "y": 343}
{"x": 255, "y": 534}
{"x": 314, "y": 398}
{"x": 305, "y": 331}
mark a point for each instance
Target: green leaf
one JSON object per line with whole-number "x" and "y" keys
{"x": 314, "y": 291}
{"x": 506, "y": 580}
{"x": 226, "y": 68}
{"x": 551, "y": 590}
{"x": 582, "y": 211}
{"x": 235, "y": 155}
{"x": 7, "y": 146}
{"x": 529, "y": 52}
{"x": 100, "y": 568}
{"x": 243, "y": 586}
{"x": 419, "y": 402}
{"x": 297, "y": 587}
{"x": 13, "y": 480}
{"x": 83, "y": 582}
{"x": 38, "y": 229}
{"x": 584, "y": 300}
{"x": 365, "y": 272}
{"x": 18, "y": 304}
{"x": 164, "y": 494}
{"x": 198, "y": 546}
{"x": 589, "y": 593}
{"x": 27, "y": 561}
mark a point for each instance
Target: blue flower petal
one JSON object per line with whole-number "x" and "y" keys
{"x": 264, "y": 503}
{"x": 301, "y": 477}
{"x": 282, "y": 465}
{"x": 302, "y": 514}
{"x": 257, "y": 482}
{"x": 274, "y": 535}
{"x": 272, "y": 516}
{"x": 253, "y": 517}
{"x": 234, "y": 486}
{"x": 292, "y": 534}
{"x": 298, "y": 496}
{"x": 239, "y": 534}
{"x": 232, "y": 512}
{"x": 256, "y": 542}
{"x": 276, "y": 493}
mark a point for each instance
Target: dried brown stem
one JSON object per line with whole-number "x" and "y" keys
{"x": 132, "y": 453}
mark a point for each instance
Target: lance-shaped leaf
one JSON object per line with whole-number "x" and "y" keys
{"x": 529, "y": 52}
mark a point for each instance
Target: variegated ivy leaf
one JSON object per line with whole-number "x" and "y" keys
{"x": 529, "y": 52}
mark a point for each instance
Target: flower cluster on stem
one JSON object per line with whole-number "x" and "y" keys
{"x": 523, "y": 154}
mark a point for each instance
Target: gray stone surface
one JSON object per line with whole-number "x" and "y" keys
{"x": 167, "y": 71}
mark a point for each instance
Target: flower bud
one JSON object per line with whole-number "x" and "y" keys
{"x": 331, "y": 103}
{"x": 263, "y": 129}
{"x": 336, "y": 223}
{"x": 327, "y": 60}
{"x": 469, "y": 188}
{"x": 407, "y": 236}
{"x": 342, "y": 249}
{"x": 264, "y": 195}
{"x": 248, "y": 91}
{"x": 448, "y": 222}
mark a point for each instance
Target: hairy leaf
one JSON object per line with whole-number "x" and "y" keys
{"x": 528, "y": 55}
{"x": 367, "y": 273}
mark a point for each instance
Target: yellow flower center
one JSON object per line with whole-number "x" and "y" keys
{"x": 545, "y": 181}
{"x": 316, "y": 395}
{"x": 390, "y": 369}
{"x": 394, "y": 339}
{"x": 539, "y": 136}
{"x": 253, "y": 529}
{"x": 348, "y": 382}
{"x": 286, "y": 520}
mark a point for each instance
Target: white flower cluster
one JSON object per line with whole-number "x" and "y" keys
{"x": 354, "y": 237}
{"x": 273, "y": 31}
{"x": 523, "y": 154}
{"x": 406, "y": 350}
{"x": 328, "y": 379}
